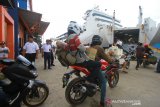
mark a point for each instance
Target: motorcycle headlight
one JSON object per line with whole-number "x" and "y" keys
{"x": 144, "y": 56}
{"x": 34, "y": 72}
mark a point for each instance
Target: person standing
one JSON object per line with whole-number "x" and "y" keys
{"x": 4, "y": 51}
{"x": 52, "y": 52}
{"x": 46, "y": 53}
{"x": 139, "y": 54}
{"x": 31, "y": 50}
{"x": 158, "y": 67}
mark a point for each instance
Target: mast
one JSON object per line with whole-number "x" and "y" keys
{"x": 113, "y": 26}
{"x": 140, "y": 17}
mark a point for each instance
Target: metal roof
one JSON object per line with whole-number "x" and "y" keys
{"x": 42, "y": 27}
{"x": 30, "y": 19}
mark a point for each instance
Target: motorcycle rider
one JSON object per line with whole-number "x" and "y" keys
{"x": 148, "y": 50}
{"x": 96, "y": 42}
{"x": 78, "y": 50}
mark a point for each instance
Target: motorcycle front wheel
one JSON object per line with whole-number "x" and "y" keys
{"x": 73, "y": 92}
{"x": 128, "y": 65}
{"x": 113, "y": 79}
{"x": 36, "y": 96}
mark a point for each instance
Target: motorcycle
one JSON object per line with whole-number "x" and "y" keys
{"x": 149, "y": 59}
{"x": 77, "y": 90}
{"x": 126, "y": 58}
{"x": 22, "y": 86}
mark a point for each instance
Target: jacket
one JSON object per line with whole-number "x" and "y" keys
{"x": 101, "y": 54}
{"x": 76, "y": 48}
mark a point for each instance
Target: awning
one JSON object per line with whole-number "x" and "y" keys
{"x": 31, "y": 20}
{"x": 42, "y": 27}
{"x": 8, "y": 3}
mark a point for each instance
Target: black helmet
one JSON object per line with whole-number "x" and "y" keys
{"x": 97, "y": 40}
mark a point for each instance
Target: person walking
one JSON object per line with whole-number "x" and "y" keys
{"x": 46, "y": 53}
{"x": 4, "y": 51}
{"x": 52, "y": 52}
{"x": 139, "y": 54}
{"x": 31, "y": 50}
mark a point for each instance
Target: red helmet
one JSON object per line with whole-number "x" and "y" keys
{"x": 145, "y": 45}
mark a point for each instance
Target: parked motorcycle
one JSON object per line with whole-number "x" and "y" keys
{"x": 23, "y": 86}
{"x": 77, "y": 90}
{"x": 149, "y": 59}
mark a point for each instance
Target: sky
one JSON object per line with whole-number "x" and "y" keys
{"x": 60, "y": 12}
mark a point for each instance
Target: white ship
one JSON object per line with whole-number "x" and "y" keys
{"x": 99, "y": 23}
{"x": 110, "y": 29}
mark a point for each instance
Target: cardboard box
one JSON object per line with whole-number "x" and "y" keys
{"x": 91, "y": 53}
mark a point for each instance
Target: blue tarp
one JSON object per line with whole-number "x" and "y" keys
{"x": 157, "y": 45}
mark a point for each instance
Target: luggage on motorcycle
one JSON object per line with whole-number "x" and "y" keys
{"x": 61, "y": 55}
{"x": 65, "y": 58}
{"x": 152, "y": 59}
{"x": 91, "y": 53}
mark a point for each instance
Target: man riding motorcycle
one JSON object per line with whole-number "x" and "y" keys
{"x": 78, "y": 50}
{"x": 148, "y": 50}
{"x": 96, "y": 42}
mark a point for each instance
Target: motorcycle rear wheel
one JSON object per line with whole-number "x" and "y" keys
{"x": 74, "y": 87}
{"x": 36, "y": 96}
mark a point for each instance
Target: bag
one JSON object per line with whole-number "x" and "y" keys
{"x": 71, "y": 59}
{"x": 91, "y": 53}
{"x": 65, "y": 58}
{"x": 61, "y": 56}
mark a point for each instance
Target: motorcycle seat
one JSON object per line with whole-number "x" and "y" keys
{"x": 7, "y": 62}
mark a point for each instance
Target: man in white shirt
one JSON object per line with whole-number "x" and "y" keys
{"x": 31, "y": 50}
{"x": 46, "y": 53}
{"x": 3, "y": 50}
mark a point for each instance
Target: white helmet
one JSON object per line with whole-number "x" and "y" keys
{"x": 73, "y": 27}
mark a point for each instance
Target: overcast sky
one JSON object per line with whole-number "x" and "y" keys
{"x": 60, "y": 12}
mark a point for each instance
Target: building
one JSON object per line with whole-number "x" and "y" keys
{"x": 26, "y": 22}
{"x": 7, "y": 26}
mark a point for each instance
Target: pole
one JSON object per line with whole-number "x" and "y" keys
{"x": 113, "y": 26}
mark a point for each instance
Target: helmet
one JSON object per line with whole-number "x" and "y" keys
{"x": 73, "y": 27}
{"x": 145, "y": 45}
{"x": 97, "y": 40}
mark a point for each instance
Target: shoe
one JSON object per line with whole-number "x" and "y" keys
{"x": 136, "y": 68}
{"x": 49, "y": 68}
{"x": 52, "y": 65}
{"x": 125, "y": 71}
{"x": 44, "y": 68}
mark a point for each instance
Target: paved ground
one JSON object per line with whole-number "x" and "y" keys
{"x": 136, "y": 89}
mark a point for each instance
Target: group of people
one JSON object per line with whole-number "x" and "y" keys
{"x": 77, "y": 49}
{"x": 31, "y": 51}
{"x": 48, "y": 53}
{"x": 140, "y": 51}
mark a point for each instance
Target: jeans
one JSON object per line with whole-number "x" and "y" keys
{"x": 94, "y": 68}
